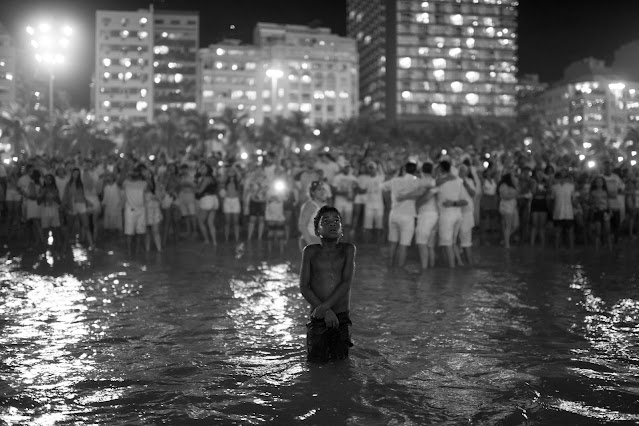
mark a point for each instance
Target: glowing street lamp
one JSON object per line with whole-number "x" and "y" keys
{"x": 50, "y": 44}
{"x": 274, "y": 74}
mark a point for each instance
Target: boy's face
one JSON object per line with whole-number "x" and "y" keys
{"x": 330, "y": 226}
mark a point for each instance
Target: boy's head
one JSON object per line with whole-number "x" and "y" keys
{"x": 328, "y": 223}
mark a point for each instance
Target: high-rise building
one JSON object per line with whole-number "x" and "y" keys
{"x": 176, "y": 41}
{"x": 124, "y": 66}
{"x": 145, "y": 62}
{"x": 7, "y": 68}
{"x": 592, "y": 101}
{"x": 420, "y": 59}
{"x": 288, "y": 68}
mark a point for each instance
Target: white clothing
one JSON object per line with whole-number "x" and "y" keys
{"x": 563, "y": 195}
{"x": 402, "y": 185}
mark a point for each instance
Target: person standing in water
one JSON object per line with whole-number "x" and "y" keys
{"x": 325, "y": 282}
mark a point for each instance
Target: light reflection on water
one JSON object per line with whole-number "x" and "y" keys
{"x": 93, "y": 338}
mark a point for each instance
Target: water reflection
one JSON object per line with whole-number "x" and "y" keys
{"x": 204, "y": 336}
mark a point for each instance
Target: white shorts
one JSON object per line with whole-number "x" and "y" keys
{"x": 426, "y": 223}
{"x": 232, "y": 205}
{"x": 345, "y": 208}
{"x": 373, "y": 217}
{"x": 209, "y": 202}
{"x": 401, "y": 229}
{"x": 449, "y": 223}
{"x": 466, "y": 229}
{"x": 134, "y": 221}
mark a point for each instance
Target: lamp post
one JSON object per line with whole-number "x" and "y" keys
{"x": 50, "y": 45}
{"x": 274, "y": 75}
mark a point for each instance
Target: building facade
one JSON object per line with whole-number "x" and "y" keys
{"x": 433, "y": 58}
{"x": 176, "y": 41}
{"x": 591, "y": 102}
{"x": 288, "y": 68}
{"x": 8, "y": 65}
{"x": 144, "y": 63}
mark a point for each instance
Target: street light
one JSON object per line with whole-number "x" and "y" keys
{"x": 274, "y": 75}
{"x": 50, "y": 44}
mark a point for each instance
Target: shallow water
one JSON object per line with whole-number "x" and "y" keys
{"x": 217, "y": 336}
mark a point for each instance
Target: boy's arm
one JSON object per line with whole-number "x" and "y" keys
{"x": 343, "y": 287}
{"x": 305, "y": 278}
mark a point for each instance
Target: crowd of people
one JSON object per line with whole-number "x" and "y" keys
{"x": 444, "y": 204}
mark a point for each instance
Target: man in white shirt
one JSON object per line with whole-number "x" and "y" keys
{"x": 563, "y": 194}
{"x": 134, "y": 211}
{"x": 344, "y": 184}
{"x": 401, "y": 221}
{"x": 450, "y": 202}
{"x": 370, "y": 185}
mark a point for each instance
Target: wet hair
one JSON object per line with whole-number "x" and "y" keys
{"x": 322, "y": 212}
{"x": 427, "y": 168}
{"x": 410, "y": 168}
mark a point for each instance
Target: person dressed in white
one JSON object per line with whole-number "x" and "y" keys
{"x": 345, "y": 183}
{"x": 427, "y": 216}
{"x": 401, "y": 221}
{"x": 370, "y": 185}
{"x": 468, "y": 213}
{"x": 450, "y": 202}
{"x": 563, "y": 194}
{"x": 309, "y": 209}
{"x": 134, "y": 209}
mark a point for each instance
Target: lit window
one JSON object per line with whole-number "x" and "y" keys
{"x": 161, "y": 50}
{"x": 577, "y": 118}
{"x": 472, "y": 99}
{"x": 143, "y": 93}
{"x": 439, "y": 75}
{"x": 305, "y": 107}
{"x": 220, "y": 51}
{"x": 106, "y": 62}
{"x": 266, "y": 94}
{"x": 318, "y": 94}
{"x": 423, "y": 50}
{"x": 219, "y": 65}
{"x": 439, "y": 63}
{"x": 407, "y": 95}
{"x": 367, "y": 39}
{"x": 456, "y": 86}
{"x": 106, "y": 104}
{"x": 293, "y": 106}
{"x": 425, "y": 4}
{"x": 207, "y": 93}
{"x": 266, "y": 108}
{"x": 124, "y": 34}
{"x": 107, "y": 75}
{"x": 405, "y": 62}
{"x": 439, "y": 109}
{"x": 470, "y": 43}
{"x": 330, "y": 93}
{"x": 504, "y": 42}
{"x": 249, "y": 66}
{"x": 125, "y": 62}
{"x": 234, "y": 67}
{"x": 141, "y": 105}
{"x": 343, "y": 95}
{"x": 306, "y": 79}
{"x": 143, "y": 34}
{"x": 236, "y": 94}
{"x": 178, "y": 78}
{"x": 455, "y": 52}
{"x": 423, "y": 18}
{"x": 490, "y": 31}
{"x": 251, "y": 95}
{"x": 143, "y": 21}
{"x": 457, "y": 19}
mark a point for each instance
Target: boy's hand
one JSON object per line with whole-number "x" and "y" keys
{"x": 331, "y": 319}
{"x": 319, "y": 312}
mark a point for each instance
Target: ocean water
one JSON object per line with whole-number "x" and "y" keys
{"x": 217, "y": 336}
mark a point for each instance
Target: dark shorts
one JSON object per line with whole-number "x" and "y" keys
{"x": 564, "y": 224}
{"x": 257, "y": 208}
{"x": 324, "y": 343}
{"x": 615, "y": 220}
{"x": 539, "y": 206}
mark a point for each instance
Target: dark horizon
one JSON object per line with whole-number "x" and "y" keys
{"x": 551, "y": 35}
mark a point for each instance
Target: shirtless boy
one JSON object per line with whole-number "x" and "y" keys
{"x": 325, "y": 283}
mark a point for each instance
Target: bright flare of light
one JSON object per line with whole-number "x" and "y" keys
{"x": 633, "y": 153}
{"x": 587, "y": 145}
{"x": 582, "y": 157}
{"x": 633, "y": 162}
{"x": 444, "y": 152}
{"x": 405, "y": 62}
{"x": 274, "y": 73}
{"x": 244, "y": 155}
{"x": 486, "y": 164}
{"x": 178, "y": 78}
{"x": 220, "y": 163}
{"x": 472, "y": 76}
{"x": 296, "y": 150}
{"x": 307, "y": 147}
{"x": 327, "y": 149}
{"x": 456, "y": 86}
{"x": 472, "y": 98}
{"x": 317, "y": 132}
{"x": 279, "y": 186}
{"x": 528, "y": 141}
{"x": 620, "y": 159}
{"x": 591, "y": 164}
{"x": 151, "y": 157}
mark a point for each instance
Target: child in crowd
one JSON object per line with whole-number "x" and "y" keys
{"x": 325, "y": 282}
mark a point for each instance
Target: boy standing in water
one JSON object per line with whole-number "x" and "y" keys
{"x": 325, "y": 283}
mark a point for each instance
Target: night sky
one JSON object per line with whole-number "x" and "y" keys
{"x": 552, "y": 33}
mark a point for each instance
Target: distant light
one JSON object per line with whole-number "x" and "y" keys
{"x": 244, "y": 155}
{"x": 260, "y": 159}
{"x": 274, "y": 73}
{"x": 487, "y": 155}
{"x": 582, "y": 157}
{"x": 587, "y": 145}
{"x": 258, "y": 152}
{"x": 232, "y": 27}
{"x": 317, "y": 132}
{"x": 143, "y": 21}
{"x": 37, "y": 129}
{"x": 220, "y": 51}
{"x": 528, "y": 141}
{"x": 279, "y": 186}
{"x": 7, "y": 161}
{"x": 633, "y": 162}
{"x": 634, "y": 153}
{"x": 122, "y": 155}
{"x": 591, "y": 164}
{"x": 44, "y": 27}
{"x": 220, "y": 136}
{"x": 220, "y": 163}
{"x": 620, "y": 159}
{"x": 67, "y": 31}
{"x": 486, "y": 164}
{"x": 165, "y": 34}
{"x": 327, "y": 149}
{"x": 308, "y": 147}
{"x": 444, "y": 152}
{"x": 151, "y": 157}
{"x": 296, "y": 150}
